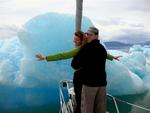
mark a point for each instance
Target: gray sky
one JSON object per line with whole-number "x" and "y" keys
{"x": 123, "y": 20}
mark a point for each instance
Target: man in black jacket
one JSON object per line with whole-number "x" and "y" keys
{"x": 90, "y": 66}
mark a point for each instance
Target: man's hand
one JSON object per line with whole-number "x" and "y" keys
{"x": 40, "y": 57}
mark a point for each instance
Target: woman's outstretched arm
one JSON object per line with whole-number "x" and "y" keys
{"x": 58, "y": 56}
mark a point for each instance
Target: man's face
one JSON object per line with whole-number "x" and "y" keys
{"x": 77, "y": 41}
{"x": 90, "y": 37}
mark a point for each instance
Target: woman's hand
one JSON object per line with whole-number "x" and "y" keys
{"x": 40, "y": 57}
{"x": 116, "y": 57}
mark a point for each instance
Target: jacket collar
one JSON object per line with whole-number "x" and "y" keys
{"x": 95, "y": 41}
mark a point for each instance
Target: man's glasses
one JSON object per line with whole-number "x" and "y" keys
{"x": 87, "y": 34}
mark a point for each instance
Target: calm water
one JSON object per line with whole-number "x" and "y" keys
{"x": 38, "y": 109}
{"x": 142, "y": 100}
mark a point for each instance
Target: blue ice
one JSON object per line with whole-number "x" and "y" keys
{"x": 35, "y": 83}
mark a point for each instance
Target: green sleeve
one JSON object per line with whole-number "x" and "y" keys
{"x": 109, "y": 56}
{"x": 63, "y": 55}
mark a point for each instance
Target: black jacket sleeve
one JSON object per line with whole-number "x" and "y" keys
{"x": 76, "y": 61}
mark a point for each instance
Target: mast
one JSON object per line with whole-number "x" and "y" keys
{"x": 79, "y": 4}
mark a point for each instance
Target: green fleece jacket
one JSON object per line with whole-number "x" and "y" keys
{"x": 68, "y": 54}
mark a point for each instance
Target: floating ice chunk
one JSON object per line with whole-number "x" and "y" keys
{"x": 122, "y": 81}
{"x": 136, "y": 48}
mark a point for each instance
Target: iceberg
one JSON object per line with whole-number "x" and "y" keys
{"x": 35, "y": 83}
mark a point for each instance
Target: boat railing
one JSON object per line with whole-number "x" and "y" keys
{"x": 67, "y": 98}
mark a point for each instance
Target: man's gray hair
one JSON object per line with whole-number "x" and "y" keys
{"x": 93, "y": 30}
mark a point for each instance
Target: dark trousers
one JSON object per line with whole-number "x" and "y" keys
{"x": 93, "y": 99}
{"x": 77, "y": 90}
